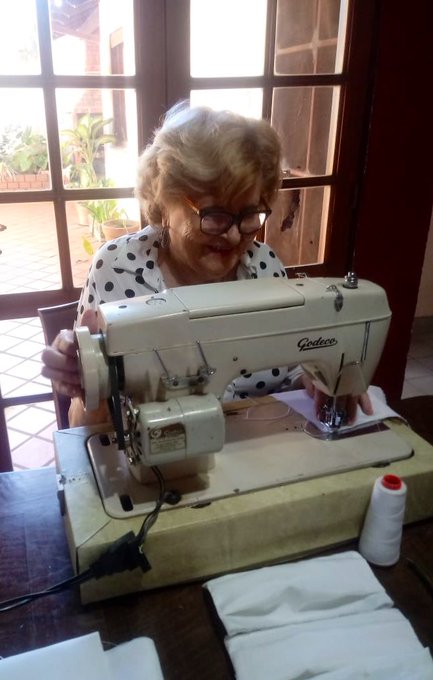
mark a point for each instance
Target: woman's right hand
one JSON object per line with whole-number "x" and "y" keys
{"x": 60, "y": 359}
{"x": 61, "y": 364}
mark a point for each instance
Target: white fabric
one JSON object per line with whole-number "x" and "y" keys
{"x": 326, "y": 617}
{"x": 309, "y": 590}
{"x": 335, "y": 647}
{"x": 395, "y": 667}
{"x": 300, "y": 402}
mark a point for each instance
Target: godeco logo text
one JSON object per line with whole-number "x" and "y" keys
{"x": 305, "y": 344}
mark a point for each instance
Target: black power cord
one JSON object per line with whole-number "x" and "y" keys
{"x": 124, "y": 554}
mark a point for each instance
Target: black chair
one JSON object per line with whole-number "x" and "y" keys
{"x": 53, "y": 320}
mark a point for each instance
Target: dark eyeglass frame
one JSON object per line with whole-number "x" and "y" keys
{"x": 235, "y": 218}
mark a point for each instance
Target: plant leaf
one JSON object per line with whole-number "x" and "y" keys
{"x": 87, "y": 246}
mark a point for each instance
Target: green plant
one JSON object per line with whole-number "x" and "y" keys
{"x": 30, "y": 153}
{"x": 6, "y": 171}
{"x": 7, "y": 138}
{"x": 82, "y": 147}
{"x": 22, "y": 150}
{"x": 105, "y": 209}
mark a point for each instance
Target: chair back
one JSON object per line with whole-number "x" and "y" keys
{"x": 53, "y": 320}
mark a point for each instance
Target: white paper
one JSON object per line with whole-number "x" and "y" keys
{"x": 135, "y": 660}
{"x": 300, "y": 402}
{"x": 84, "y": 658}
{"x": 81, "y": 657}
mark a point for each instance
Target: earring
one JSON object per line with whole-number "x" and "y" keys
{"x": 164, "y": 238}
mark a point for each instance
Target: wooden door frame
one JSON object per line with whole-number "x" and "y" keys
{"x": 396, "y": 192}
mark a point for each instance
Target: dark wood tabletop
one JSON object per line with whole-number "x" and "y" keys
{"x": 34, "y": 555}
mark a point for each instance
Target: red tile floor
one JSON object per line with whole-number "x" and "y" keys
{"x": 21, "y": 340}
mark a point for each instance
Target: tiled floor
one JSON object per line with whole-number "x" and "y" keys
{"x": 30, "y": 427}
{"x": 21, "y": 340}
{"x": 37, "y": 266}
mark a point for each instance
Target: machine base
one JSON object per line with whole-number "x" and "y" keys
{"x": 265, "y": 447}
{"x": 239, "y": 531}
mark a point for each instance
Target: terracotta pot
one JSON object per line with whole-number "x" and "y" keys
{"x": 82, "y": 213}
{"x": 115, "y": 228}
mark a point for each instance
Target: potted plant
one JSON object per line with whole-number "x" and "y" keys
{"x": 100, "y": 211}
{"x": 119, "y": 226}
{"x": 108, "y": 220}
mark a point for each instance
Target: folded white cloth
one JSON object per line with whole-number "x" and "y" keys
{"x": 396, "y": 667}
{"x": 334, "y": 649}
{"x": 326, "y": 617}
{"x": 309, "y": 590}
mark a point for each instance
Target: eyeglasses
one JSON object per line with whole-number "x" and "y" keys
{"x": 216, "y": 221}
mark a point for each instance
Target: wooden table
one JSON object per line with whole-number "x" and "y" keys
{"x": 34, "y": 555}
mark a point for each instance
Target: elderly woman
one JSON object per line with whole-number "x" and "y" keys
{"x": 205, "y": 186}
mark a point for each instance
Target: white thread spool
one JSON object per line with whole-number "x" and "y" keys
{"x": 380, "y": 539}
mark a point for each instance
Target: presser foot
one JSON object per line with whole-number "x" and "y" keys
{"x": 333, "y": 414}
{"x": 337, "y": 434}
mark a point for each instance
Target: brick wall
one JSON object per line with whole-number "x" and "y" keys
{"x": 26, "y": 182}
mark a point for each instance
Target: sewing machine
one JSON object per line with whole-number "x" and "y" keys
{"x": 164, "y": 362}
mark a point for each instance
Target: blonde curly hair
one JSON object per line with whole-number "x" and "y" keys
{"x": 198, "y": 151}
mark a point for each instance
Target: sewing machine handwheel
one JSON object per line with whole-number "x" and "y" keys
{"x": 89, "y": 368}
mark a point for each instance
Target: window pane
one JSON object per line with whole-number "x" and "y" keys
{"x": 23, "y": 143}
{"x": 90, "y": 223}
{"x": 29, "y": 260}
{"x": 227, "y": 38}
{"x": 247, "y": 102}
{"x": 310, "y": 36}
{"x": 92, "y": 37}
{"x": 98, "y": 136}
{"x": 296, "y": 229}
{"x": 19, "y": 45}
{"x": 306, "y": 118}
{"x": 21, "y": 342}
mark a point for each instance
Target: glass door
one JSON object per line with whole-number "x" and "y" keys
{"x": 69, "y": 140}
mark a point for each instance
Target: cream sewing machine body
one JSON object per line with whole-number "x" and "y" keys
{"x": 169, "y": 357}
{"x": 254, "y": 486}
